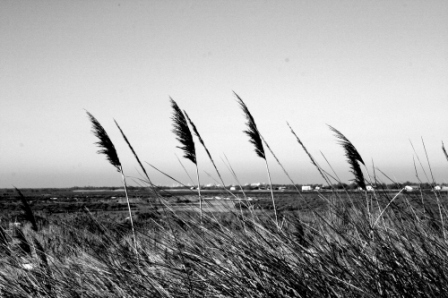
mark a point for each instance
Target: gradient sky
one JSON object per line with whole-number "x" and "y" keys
{"x": 375, "y": 70}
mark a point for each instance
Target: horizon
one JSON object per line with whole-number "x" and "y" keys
{"x": 207, "y": 187}
{"x": 377, "y": 72}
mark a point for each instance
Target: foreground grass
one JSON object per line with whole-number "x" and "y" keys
{"x": 346, "y": 250}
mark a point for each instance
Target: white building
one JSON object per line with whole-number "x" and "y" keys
{"x": 306, "y": 188}
{"x": 411, "y": 188}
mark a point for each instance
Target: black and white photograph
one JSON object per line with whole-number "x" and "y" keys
{"x": 252, "y": 148}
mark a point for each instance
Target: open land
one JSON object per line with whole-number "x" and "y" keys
{"x": 82, "y": 243}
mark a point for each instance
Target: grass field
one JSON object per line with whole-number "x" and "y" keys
{"x": 327, "y": 245}
{"x": 151, "y": 242}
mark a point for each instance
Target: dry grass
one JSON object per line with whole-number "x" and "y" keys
{"x": 368, "y": 247}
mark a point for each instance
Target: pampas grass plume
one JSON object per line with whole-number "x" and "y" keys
{"x": 353, "y": 157}
{"x": 104, "y": 143}
{"x": 182, "y": 132}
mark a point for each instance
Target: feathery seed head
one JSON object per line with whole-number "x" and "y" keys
{"x": 104, "y": 143}
{"x": 353, "y": 157}
{"x": 252, "y": 131}
{"x": 182, "y": 132}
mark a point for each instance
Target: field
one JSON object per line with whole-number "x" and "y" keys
{"x": 112, "y": 203}
{"x": 332, "y": 244}
{"x": 345, "y": 241}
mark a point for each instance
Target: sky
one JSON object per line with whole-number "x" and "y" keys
{"x": 375, "y": 70}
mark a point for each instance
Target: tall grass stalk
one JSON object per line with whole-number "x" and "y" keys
{"x": 148, "y": 181}
{"x": 108, "y": 149}
{"x": 435, "y": 193}
{"x": 255, "y": 138}
{"x": 185, "y": 170}
{"x": 353, "y": 157}
{"x": 196, "y": 132}
{"x": 418, "y": 158}
{"x": 316, "y": 165}
{"x": 230, "y": 168}
{"x": 185, "y": 137}
{"x": 280, "y": 164}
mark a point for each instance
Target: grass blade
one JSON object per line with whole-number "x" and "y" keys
{"x": 196, "y": 132}
{"x": 280, "y": 164}
{"x": 310, "y": 156}
{"x": 133, "y": 152}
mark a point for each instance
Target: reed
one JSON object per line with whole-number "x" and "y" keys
{"x": 148, "y": 180}
{"x": 353, "y": 157}
{"x": 317, "y": 252}
{"x": 313, "y": 161}
{"x": 255, "y": 138}
{"x": 184, "y": 136}
{"x": 196, "y": 132}
{"x": 107, "y": 148}
{"x": 281, "y": 165}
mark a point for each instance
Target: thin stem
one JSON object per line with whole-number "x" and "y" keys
{"x": 185, "y": 170}
{"x": 280, "y": 164}
{"x": 272, "y": 192}
{"x": 390, "y": 202}
{"x": 199, "y": 189}
{"x": 130, "y": 213}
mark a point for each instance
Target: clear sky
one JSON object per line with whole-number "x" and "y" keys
{"x": 375, "y": 70}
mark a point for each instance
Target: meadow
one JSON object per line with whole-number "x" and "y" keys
{"x": 333, "y": 243}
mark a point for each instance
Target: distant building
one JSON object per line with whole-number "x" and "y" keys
{"x": 411, "y": 188}
{"x": 306, "y": 188}
{"x": 437, "y": 187}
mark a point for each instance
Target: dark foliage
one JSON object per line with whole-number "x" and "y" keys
{"x": 182, "y": 132}
{"x": 252, "y": 131}
{"x": 353, "y": 157}
{"x": 106, "y": 146}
